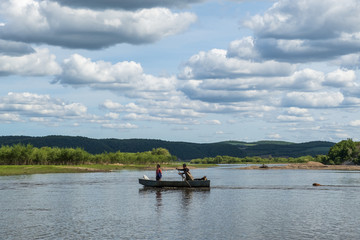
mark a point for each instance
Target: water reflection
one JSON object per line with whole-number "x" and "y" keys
{"x": 184, "y": 196}
{"x": 158, "y": 198}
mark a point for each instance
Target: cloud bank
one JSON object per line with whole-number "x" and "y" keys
{"x": 35, "y": 105}
{"x": 296, "y": 69}
{"x": 126, "y": 4}
{"x": 45, "y": 22}
{"x": 305, "y": 30}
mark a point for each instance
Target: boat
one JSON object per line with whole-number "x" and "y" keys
{"x": 180, "y": 184}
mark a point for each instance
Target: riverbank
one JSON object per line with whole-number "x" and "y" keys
{"x": 308, "y": 166}
{"x": 8, "y": 170}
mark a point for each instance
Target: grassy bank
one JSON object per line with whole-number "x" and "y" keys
{"x": 8, "y": 170}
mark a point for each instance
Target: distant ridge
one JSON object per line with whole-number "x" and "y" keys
{"x": 183, "y": 150}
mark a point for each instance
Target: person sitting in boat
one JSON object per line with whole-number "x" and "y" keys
{"x": 158, "y": 173}
{"x": 185, "y": 171}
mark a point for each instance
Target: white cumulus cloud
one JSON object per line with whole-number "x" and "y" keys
{"x": 39, "y": 63}
{"x": 216, "y": 64}
{"x": 35, "y": 105}
{"x": 341, "y": 78}
{"x": 124, "y": 78}
{"x": 9, "y": 117}
{"x": 355, "y": 123}
{"x": 119, "y": 125}
{"x": 48, "y": 22}
{"x": 313, "y": 99}
{"x": 126, "y": 4}
{"x": 307, "y": 30}
{"x": 307, "y": 19}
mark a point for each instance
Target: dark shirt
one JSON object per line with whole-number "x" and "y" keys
{"x": 185, "y": 170}
{"x": 187, "y": 173}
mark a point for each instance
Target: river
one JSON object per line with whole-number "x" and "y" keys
{"x": 241, "y": 204}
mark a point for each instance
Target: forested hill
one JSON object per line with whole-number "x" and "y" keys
{"x": 183, "y": 150}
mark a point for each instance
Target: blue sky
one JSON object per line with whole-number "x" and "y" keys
{"x": 187, "y": 70}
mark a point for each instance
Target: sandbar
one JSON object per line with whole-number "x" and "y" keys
{"x": 309, "y": 166}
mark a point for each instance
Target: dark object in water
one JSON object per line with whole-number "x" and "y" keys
{"x": 264, "y": 166}
{"x": 316, "y": 184}
{"x": 184, "y": 184}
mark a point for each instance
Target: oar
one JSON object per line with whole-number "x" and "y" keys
{"x": 184, "y": 179}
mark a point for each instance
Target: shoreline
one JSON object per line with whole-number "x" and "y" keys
{"x": 305, "y": 166}
{"x": 12, "y": 170}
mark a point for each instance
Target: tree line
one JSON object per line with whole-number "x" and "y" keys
{"x": 255, "y": 160}
{"x": 183, "y": 150}
{"x": 20, "y": 154}
{"x": 344, "y": 152}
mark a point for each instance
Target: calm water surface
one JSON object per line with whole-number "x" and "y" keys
{"x": 241, "y": 204}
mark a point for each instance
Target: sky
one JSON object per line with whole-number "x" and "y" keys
{"x": 186, "y": 70}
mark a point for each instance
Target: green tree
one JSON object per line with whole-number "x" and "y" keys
{"x": 39, "y": 156}
{"x": 160, "y": 151}
{"x": 344, "y": 151}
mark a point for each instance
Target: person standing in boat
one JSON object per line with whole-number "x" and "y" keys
{"x": 185, "y": 171}
{"x": 158, "y": 173}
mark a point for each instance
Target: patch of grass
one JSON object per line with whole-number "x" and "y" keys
{"x": 6, "y": 170}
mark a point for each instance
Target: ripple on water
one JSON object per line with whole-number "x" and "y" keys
{"x": 241, "y": 204}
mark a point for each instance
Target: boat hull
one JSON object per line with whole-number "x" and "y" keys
{"x": 182, "y": 184}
